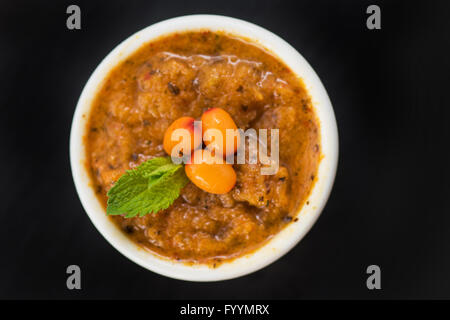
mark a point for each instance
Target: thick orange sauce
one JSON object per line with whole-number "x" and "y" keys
{"x": 184, "y": 75}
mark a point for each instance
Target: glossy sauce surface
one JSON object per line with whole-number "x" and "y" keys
{"x": 184, "y": 75}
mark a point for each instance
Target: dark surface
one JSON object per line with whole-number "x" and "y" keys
{"x": 389, "y": 205}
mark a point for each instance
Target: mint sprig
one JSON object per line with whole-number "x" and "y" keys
{"x": 152, "y": 186}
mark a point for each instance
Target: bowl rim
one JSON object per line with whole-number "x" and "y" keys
{"x": 284, "y": 240}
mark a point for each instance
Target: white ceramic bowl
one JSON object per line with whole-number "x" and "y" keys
{"x": 279, "y": 244}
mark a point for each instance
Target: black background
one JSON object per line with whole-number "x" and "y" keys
{"x": 389, "y": 205}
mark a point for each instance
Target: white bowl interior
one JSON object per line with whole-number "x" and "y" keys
{"x": 280, "y": 243}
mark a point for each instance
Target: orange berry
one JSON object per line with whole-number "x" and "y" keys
{"x": 218, "y": 178}
{"x": 182, "y": 123}
{"x": 219, "y": 119}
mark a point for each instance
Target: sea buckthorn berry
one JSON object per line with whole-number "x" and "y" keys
{"x": 189, "y": 142}
{"x": 218, "y": 177}
{"x": 220, "y": 120}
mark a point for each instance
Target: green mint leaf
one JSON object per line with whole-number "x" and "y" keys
{"x": 149, "y": 188}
